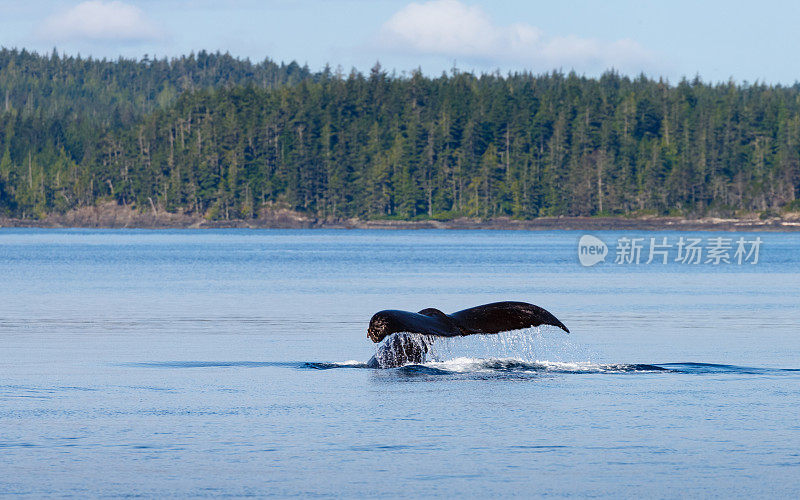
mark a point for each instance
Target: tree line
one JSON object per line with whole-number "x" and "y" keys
{"x": 216, "y": 136}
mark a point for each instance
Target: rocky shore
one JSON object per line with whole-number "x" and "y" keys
{"x": 112, "y": 215}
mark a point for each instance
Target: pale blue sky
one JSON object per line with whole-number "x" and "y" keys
{"x": 715, "y": 39}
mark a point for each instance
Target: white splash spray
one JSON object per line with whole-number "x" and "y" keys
{"x": 529, "y": 345}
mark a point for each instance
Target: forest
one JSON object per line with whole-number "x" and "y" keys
{"x": 224, "y": 138}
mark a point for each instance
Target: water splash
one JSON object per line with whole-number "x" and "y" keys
{"x": 403, "y": 348}
{"x": 483, "y": 366}
{"x": 526, "y": 345}
{"x": 510, "y": 365}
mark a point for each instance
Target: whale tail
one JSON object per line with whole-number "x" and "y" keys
{"x": 486, "y": 319}
{"x": 504, "y": 316}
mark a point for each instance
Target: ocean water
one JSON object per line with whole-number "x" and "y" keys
{"x": 231, "y": 363}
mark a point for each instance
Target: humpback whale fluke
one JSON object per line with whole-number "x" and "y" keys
{"x": 486, "y": 319}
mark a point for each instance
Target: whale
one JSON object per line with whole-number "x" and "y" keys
{"x": 409, "y": 335}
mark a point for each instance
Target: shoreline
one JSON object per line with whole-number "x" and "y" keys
{"x": 112, "y": 216}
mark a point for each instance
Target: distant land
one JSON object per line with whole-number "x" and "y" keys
{"x": 112, "y": 215}
{"x": 208, "y": 140}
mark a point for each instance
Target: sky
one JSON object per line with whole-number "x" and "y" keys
{"x": 717, "y": 40}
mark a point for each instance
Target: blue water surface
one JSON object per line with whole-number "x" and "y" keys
{"x": 231, "y": 363}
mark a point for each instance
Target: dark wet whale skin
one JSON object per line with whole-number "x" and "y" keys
{"x": 485, "y": 319}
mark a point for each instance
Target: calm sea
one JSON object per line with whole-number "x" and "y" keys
{"x": 229, "y": 363}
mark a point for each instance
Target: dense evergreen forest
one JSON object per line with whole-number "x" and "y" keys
{"x": 212, "y": 135}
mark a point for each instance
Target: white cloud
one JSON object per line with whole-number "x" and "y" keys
{"x": 452, "y": 29}
{"x": 100, "y": 20}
